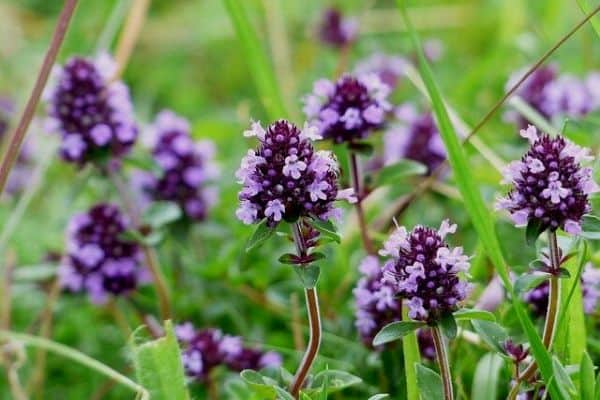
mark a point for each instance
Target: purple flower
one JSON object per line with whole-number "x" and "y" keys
{"x": 415, "y": 137}
{"x": 349, "y": 109}
{"x": 424, "y": 270}
{"x": 389, "y": 68}
{"x": 515, "y": 351}
{"x": 337, "y": 30}
{"x": 203, "y": 350}
{"x": 376, "y": 303}
{"x": 93, "y": 114}
{"x": 98, "y": 260}
{"x": 549, "y": 184}
{"x": 285, "y": 178}
{"x": 187, "y": 167}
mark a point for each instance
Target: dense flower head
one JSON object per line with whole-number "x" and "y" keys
{"x": 416, "y": 137}
{"x": 389, "y": 68}
{"x": 556, "y": 95}
{"x": 349, "y": 109}
{"x": 186, "y": 166}
{"x": 285, "y": 178}
{"x": 376, "y": 303}
{"x": 98, "y": 260}
{"x": 93, "y": 113}
{"x": 537, "y": 298}
{"x": 203, "y": 350}
{"x": 337, "y": 30}
{"x": 549, "y": 184}
{"x": 425, "y": 270}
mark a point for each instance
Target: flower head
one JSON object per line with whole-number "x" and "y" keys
{"x": 187, "y": 167}
{"x": 203, "y": 350}
{"x": 337, "y": 30}
{"x": 285, "y": 178}
{"x": 424, "y": 270}
{"x": 549, "y": 184}
{"x": 415, "y": 137}
{"x": 98, "y": 260}
{"x": 349, "y": 109}
{"x": 389, "y": 68}
{"x": 376, "y": 303}
{"x": 93, "y": 114}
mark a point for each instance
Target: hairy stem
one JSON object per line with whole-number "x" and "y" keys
{"x": 16, "y": 140}
{"x": 442, "y": 359}
{"x": 314, "y": 319}
{"x": 362, "y": 223}
{"x": 553, "y": 305}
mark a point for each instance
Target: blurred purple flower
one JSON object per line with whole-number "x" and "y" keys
{"x": 92, "y": 113}
{"x": 336, "y": 30}
{"x": 389, "y": 68}
{"x": 349, "y": 109}
{"x": 285, "y": 178}
{"x": 98, "y": 260}
{"x": 549, "y": 184}
{"x": 426, "y": 344}
{"x": 203, "y": 350}
{"x": 426, "y": 271}
{"x": 187, "y": 167}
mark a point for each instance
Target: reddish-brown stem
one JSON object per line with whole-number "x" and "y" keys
{"x": 14, "y": 146}
{"x": 362, "y": 223}
{"x": 314, "y": 320}
{"x": 442, "y": 359}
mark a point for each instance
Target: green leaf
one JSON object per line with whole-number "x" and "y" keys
{"x": 590, "y": 227}
{"x": 257, "y": 383}
{"x": 394, "y": 173}
{"x": 152, "y": 239}
{"x": 327, "y": 229}
{"x": 533, "y": 231}
{"x": 288, "y": 258}
{"x": 379, "y": 396}
{"x": 491, "y": 333}
{"x": 487, "y": 377}
{"x": 161, "y": 213}
{"x": 366, "y": 149}
{"x": 336, "y": 380}
{"x": 597, "y": 395}
{"x": 257, "y": 59}
{"x": 448, "y": 325}
{"x": 563, "y": 379}
{"x": 482, "y": 219}
{"x": 395, "y": 331}
{"x": 158, "y": 367}
{"x": 283, "y": 394}
{"x": 309, "y": 274}
{"x": 466, "y": 313}
{"x": 261, "y": 233}
{"x": 526, "y": 282}
{"x": 587, "y": 380}
{"x": 34, "y": 273}
{"x": 430, "y": 383}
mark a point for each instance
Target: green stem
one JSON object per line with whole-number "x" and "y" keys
{"x": 442, "y": 358}
{"x": 67, "y": 352}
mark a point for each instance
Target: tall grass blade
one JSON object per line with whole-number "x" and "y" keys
{"x": 482, "y": 219}
{"x": 585, "y": 7}
{"x": 258, "y": 60}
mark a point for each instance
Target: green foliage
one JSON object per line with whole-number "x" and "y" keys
{"x": 430, "y": 383}
{"x": 395, "y": 331}
{"x": 487, "y": 379}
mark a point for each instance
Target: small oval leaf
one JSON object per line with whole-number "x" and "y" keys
{"x": 395, "y": 331}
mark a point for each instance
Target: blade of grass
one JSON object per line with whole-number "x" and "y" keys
{"x": 256, "y": 56}
{"x": 412, "y": 357}
{"x": 482, "y": 220}
{"x": 585, "y": 7}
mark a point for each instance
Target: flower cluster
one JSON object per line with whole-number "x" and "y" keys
{"x": 186, "y": 167}
{"x": 285, "y": 178}
{"x": 93, "y": 113}
{"x": 389, "y": 68}
{"x": 337, "y": 30}
{"x": 553, "y": 95}
{"x": 515, "y": 351}
{"x": 537, "y": 298}
{"x": 415, "y": 137}
{"x": 550, "y": 186}
{"x": 376, "y": 303}
{"x": 425, "y": 270}
{"x": 349, "y": 109}
{"x": 203, "y": 350}
{"x": 98, "y": 260}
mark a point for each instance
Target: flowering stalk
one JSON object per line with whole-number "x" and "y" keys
{"x": 314, "y": 319}
{"x": 12, "y": 152}
{"x": 442, "y": 358}
{"x": 364, "y": 234}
